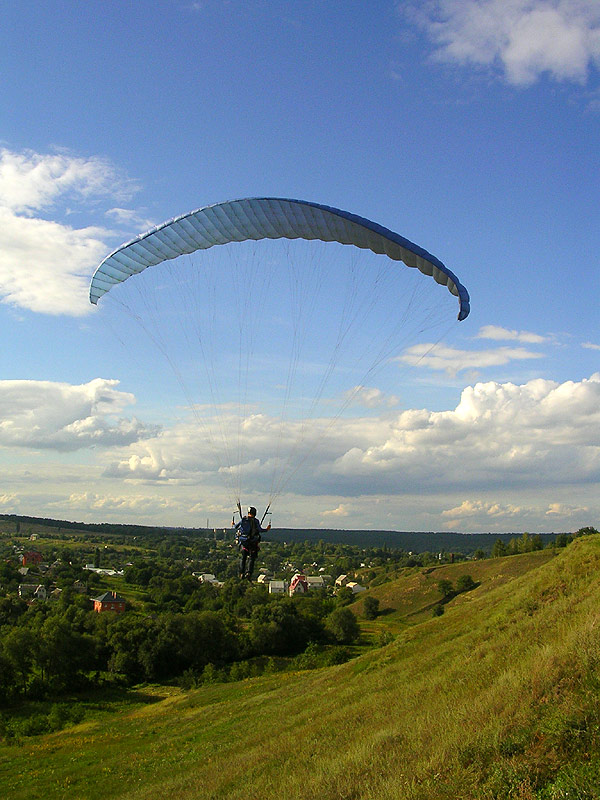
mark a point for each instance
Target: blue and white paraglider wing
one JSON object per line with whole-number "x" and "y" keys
{"x": 266, "y": 218}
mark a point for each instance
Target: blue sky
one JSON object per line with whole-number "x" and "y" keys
{"x": 469, "y": 126}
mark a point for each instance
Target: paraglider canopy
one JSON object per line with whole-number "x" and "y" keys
{"x": 266, "y": 218}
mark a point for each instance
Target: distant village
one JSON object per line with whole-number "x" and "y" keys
{"x": 299, "y": 584}
{"x": 32, "y": 564}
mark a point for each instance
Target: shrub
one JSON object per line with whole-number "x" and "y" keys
{"x": 446, "y": 588}
{"x": 465, "y": 583}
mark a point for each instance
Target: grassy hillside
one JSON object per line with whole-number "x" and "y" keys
{"x": 498, "y": 698}
{"x": 411, "y": 598}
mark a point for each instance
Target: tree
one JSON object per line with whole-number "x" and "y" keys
{"x": 278, "y": 628}
{"x": 342, "y": 625}
{"x": 8, "y": 681}
{"x": 537, "y": 542}
{"x": 499, "y": 549}
{"x": 587, "y": 531}
{"x": 19, "y": 650}
{"x": 371, "y": 607}
{"x": 344, "y": 595}
{"x": 562, "y": 540}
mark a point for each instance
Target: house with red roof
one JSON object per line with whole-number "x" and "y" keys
{"x": 109, "y": 601}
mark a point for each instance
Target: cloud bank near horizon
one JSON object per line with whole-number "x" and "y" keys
{"x": 505, "y": 456}
{"x": 538, "y": 434}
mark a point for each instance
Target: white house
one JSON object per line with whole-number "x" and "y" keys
{"x": 40, "y": 593}
{"x": 356, "y": 587}
{"x": 341, "y": 580}
{"x": 277, "y": 587}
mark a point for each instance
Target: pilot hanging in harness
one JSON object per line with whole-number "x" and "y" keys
{"x": 247, "y": 537}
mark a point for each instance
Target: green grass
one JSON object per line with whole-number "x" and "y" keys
{"x": 411, "y": 598}
{"x": 498, "y": 698}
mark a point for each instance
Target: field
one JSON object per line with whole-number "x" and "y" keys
{"x": 497, "y": 698}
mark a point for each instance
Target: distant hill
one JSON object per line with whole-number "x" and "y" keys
{"x": 497, "y": 698}
{"x": 410, "y": 541}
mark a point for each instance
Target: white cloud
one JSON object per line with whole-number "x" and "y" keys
{"x": 45, "y": 265}
{"x": 31, "y": 181}
{"x": 494, "y": 515}
{"x": 591, "y": 346}
{"x": 143, "y": 505}
{"x": 470, "y": 508}
{"x": 9, "y": 503}
{"x": 565, "y": 510}
{"x": 41, "y": 264}
{"x": 486, "y": 514}
{"x": 62, "y": 417}
{"x": 342, "y": 510}
{"x": 526, "y": 37}
{"x": 539, "y": 434}
{"x": 507, "y": 457}
{"x": 130, "y": 217}
{"x": 370, "y": 397}
{"x": 453, "y": 361}
{"x": 497, "y": 333}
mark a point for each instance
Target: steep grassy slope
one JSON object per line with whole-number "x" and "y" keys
{"x": 411, "y": 598}
{"x": 498, "y": 698}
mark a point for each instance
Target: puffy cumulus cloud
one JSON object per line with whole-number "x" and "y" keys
{"x": 184, "y": 454}
{"x": 453, "y": 360}
{"x": 45, "y": 264}
{"x": 494, "y": 515}
{"x": 343, "y": 510}
{"x": 470, "y": 508}
{"x": 497, "y": 333}
{"x": 527, "y": 38}
{"x": 482, "y": 513}
{"x": 63, "y": 417}
{"x": 539, "y": 434}
{"x": 41, "y": 264}
{"x": 254, "y": 451}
